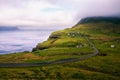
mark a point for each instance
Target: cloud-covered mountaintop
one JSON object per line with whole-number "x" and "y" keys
{"x": 54, "y": 13}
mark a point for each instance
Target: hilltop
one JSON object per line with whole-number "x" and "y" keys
{"x": 115, "y": 20}
{"x": 71, "y": 43}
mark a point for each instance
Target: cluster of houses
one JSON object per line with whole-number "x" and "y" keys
{"x": 73, "y": 34}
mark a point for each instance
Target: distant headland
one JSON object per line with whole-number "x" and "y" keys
{"x": 7, "y": 28}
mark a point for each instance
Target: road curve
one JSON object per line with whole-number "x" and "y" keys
{"x": 54, "y": 62}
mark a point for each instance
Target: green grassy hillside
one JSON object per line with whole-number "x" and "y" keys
{"x": 70, "y": 43}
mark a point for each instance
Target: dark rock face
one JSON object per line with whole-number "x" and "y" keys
{"x": 4, "y": 28}
{"x": 54, "y": 36}
{"x": 34, "y": 49}
{"x": 39, "y": 48}
{"x": 102, "y": 54}
{"x": 115, "y": 20}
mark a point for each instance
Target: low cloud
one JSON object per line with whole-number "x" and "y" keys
{"x": 54, "y": 13}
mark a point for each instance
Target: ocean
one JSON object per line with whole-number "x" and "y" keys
{"x": 23, "y": 40}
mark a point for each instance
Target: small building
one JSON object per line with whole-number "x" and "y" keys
{"x": 73, "y": 35}
{"x": 79, "y": 46}
{"x": 112, "y": 46}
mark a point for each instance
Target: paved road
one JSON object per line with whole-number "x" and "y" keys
{"x": 54, "y": 62}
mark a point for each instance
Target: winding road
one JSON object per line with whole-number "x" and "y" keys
{"x": 54, "y": 62}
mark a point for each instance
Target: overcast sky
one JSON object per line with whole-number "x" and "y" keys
{"x": 54, "y": 13}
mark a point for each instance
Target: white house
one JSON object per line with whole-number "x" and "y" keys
{"x": 112, "y": 46}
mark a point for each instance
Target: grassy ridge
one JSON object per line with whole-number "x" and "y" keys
{"x": 70, "y": 43}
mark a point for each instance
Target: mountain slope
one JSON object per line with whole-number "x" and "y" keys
{"x": 103, "y": 29}
{"x": 70, "y": 43}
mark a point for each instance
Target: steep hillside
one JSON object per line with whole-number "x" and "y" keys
{"x": 69, "y": 44}
{"x": 102, "y": 29}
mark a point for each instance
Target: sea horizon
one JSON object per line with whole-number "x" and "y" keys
{"x": 22, "y": 40}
